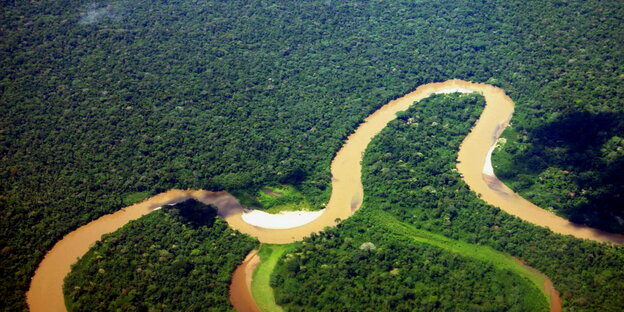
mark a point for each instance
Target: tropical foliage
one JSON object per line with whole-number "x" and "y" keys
{"x": 100, "y": 99}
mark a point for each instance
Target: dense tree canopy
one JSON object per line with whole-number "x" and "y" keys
{"x": 103, "y": 99}
{"x": 364, "y": 268}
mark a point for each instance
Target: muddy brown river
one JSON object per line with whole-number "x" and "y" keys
{"x": 45, "y": 293}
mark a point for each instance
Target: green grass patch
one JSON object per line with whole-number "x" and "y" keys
{"x": 261, "y": 283}
{"x": 276, "y": 198}
{"x": 478, "y": 252}
{"x": 282, "y": 198}
{"x": 133, "y": 198}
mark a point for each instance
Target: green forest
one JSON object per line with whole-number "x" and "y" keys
{"x": 369, "y": 269}
{"x": 103, "y": 100}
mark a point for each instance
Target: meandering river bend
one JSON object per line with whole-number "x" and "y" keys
{"x": 46, "y": 293}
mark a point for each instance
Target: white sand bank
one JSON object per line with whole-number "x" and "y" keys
{"x": 283, "y": 220}
{"x": 487, "y": 166}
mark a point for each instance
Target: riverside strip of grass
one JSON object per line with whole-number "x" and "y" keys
{"x": 482, "y": 253}
{"x": 260, "y": 285}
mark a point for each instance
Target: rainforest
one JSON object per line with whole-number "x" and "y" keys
{"x": 181, "y": 129}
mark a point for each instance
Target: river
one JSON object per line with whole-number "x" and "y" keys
{"x": 45, "y": 293}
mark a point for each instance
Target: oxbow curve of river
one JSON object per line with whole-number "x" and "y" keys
{"x": 46, "y": 293}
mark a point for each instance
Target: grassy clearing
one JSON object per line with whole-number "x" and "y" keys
{"x": 275, "y": 199}
{"x": 282, "y": 198}
{"x": 133, "y": 198}
{"x": 260, "y": 285}
{"x": 482, "y": 253}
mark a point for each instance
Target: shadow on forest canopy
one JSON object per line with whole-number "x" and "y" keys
{"x": 588, "y": 148}
{"x": 194, "y": 213}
